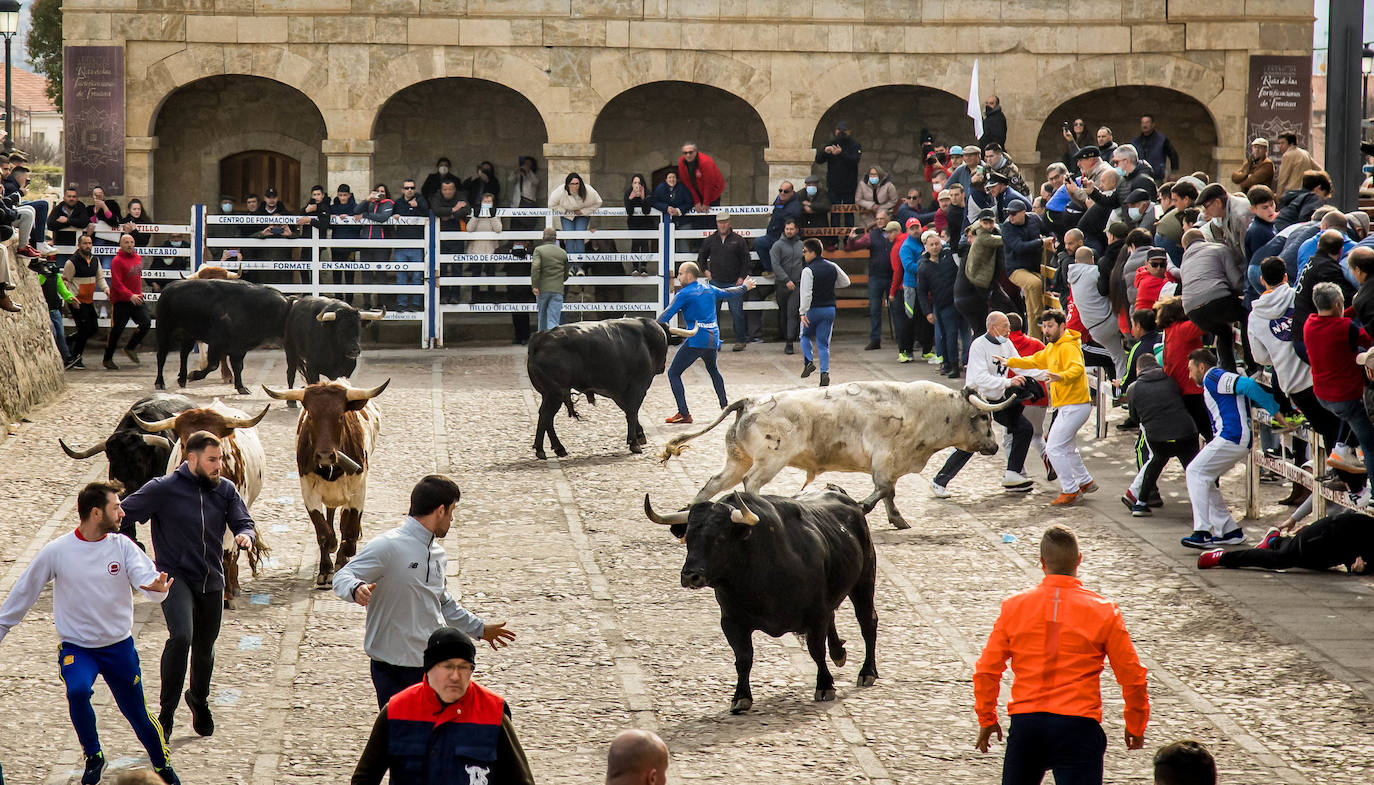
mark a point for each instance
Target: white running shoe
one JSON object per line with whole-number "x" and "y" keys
{"x": 1014, "y": 479}
{"x": 939, "y": 491}
{"x": 1345, "y": 458}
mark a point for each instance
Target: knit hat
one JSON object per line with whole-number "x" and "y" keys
{"x": 447, "y": 643}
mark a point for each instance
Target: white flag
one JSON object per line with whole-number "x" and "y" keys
{"x": 975, "y": 105}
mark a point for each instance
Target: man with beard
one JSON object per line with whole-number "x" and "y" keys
{"x": 190, "y": 510}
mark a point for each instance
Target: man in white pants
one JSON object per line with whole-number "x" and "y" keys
{"x": 1228, "y": 397}
{"x": 1062, "y": 359}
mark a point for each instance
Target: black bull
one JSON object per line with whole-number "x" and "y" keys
{"x": 615, "y": 358}
{"x": 135, "y": 455}
{"x": 783, "y": 565}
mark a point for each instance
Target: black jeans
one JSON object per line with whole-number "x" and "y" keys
{"x": 193, "y": 619}
{"x": 1071, "y": 747}
{"x": 877, "y": 293}
{"x": 1160, "y": 453}
{"x": 1013, "y": 419}
{"x": 1197, "y": 409}
{"x": 388, "y": 679}
{"x": 120, "y": 315}
{"x": 87, "y": 324}
{"x": 1218, "y": 318}
{"x": 789, "y": 319}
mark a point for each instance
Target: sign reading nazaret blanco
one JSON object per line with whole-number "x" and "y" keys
{"x": 93, "y": 109}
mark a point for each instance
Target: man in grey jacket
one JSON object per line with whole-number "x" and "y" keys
{"x": 1211, "y": 284}
{"x": 785, "y": 255}
{"x": 399, "y": 577}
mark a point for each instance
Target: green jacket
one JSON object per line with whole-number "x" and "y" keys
{"x": 548, "y": 268}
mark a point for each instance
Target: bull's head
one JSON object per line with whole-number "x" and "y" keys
{"x": 135, "y": 458}
{"x": 346, "y": 322}
{"x": 192, "y": 420}
{"x": 325, "y": 405}
{"x": 710, "y": 529}
{"x": 980, "y": 436}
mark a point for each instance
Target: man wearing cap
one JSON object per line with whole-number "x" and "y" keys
{"x": 785, "y": 207}
{"x": 724, "y": 260}
{"x": 1001, "y": 194}
{"x": 272, "y": 206}
{"x": 963, "y": 173}
{"x": 1140, "y": 210}
{"x": 815, "y": 203}
{"x": 1257, "y": 168}
{"x": 1223, "y": 218}
{"x": 841, "y": 158}
{"x": 1025, "y": 238}
{"x": 448, "y": 729}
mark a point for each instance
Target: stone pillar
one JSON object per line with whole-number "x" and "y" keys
{"x": 1227, "y": 162}
{"x": 138, "y": 169}
{"x": 788, "y": 163}
{"x": 348, "y": 161}
{"x": 564, "y": 159}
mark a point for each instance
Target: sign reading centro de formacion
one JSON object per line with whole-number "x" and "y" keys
{"x": 93, "y": 110}
{"x": 1280, "y": 99}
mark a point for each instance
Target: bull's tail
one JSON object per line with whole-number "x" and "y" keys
{"x": 677, "y": 444}
{"x": 259, "y": 552}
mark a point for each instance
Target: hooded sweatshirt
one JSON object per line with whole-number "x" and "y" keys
{"x": 1271, "y": 338}
{"x": 1064, "y": 357}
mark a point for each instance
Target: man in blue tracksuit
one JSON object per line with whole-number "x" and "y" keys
{"x": 697, "y": 300}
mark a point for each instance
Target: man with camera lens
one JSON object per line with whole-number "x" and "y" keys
{"x": 841, "y": 157}
{"x": 937, "y": 158}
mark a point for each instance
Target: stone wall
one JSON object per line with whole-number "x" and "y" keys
{"x": 30, "y": 367}
{"x": 216, "y": 117}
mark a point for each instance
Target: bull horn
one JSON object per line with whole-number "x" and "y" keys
{"x": 247, "y": 422}
{"x": 671, "y": 519}
{"x": 355, "y": 394}
{"x": 157, "y": 425}
{"x": 743, "y": 514}
{"x": 983, "y": 405}
{"x": 372, "y": 316}
{"x": 157, "y": 442}
{"x": 684, "y": 333}
{"x": 285, "y": 395}
{"x": 346, "y": 462}
{"x": 326, "y": 316}
{"x": 82, "y": 454}
{"x": 237, "y": 273}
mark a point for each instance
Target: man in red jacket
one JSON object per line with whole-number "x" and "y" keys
{"x": 126, "y": 301}
{"x": 698, "y": 171}
{"x": 1333, "y": 341}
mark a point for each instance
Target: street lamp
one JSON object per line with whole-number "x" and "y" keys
{"x": 9, "y": 26}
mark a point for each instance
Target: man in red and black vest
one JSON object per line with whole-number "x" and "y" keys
{"x": 446, "y": 729}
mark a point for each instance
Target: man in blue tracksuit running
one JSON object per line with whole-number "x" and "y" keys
{"x": 697, "y": 301}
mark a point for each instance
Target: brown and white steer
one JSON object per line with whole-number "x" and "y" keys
{"x": 244, "y": 464}
{"x": 335, "y": 436}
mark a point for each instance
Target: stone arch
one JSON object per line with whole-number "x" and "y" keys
{"x": 199, "y": 124}
{"x": 1185, "y": 120}
{"x": 891, "y": 136}
{"x": 466, "y": 119}
{"x": 643, "y": 128}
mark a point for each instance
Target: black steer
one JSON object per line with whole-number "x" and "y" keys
{"x": 782, "y": 565}
{"x": 135, "y": 455}
{"x": 616, "y": 358}
{"x": 230, "y": 317}
{"x": 322, "y": 339}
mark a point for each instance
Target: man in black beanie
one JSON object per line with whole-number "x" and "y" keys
{"x": 456, "y": 731}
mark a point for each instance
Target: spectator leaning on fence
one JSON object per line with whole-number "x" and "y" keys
{"x": 574, "y": 203}
{"x": 704, "y": 181}
{"x": 410, "y": 205}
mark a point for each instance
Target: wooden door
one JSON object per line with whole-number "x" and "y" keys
{"x": 254, "y": 171}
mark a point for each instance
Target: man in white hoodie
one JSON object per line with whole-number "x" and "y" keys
{"x": 1095, "y": 310}
{"x": 989, "y": 378}
{"x": 1270, "y": 335}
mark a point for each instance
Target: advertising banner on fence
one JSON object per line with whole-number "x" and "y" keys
{"x": 93, "y": 110}
{"x": 1280, "y": 99}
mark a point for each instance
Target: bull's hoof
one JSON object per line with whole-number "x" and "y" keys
{"x": 159, "y": 386}
{"x": 825, "y": 696}
{"x": 181, "y": 381}
{"x": 323, "y": 581}
{"x": 561, "y": 452}
{"x": 741, "y": 705}
{"x": 231, "y": 603}
{"x": 290, "y": 404}
{"x": 642, "y": 439}
{"x": 868, "y": 679}
{"x": 195, "y": 376}
{"x": 636, "y": 449}
{"x": 243, "y": 391}
{"x": 898, "y": 522}
{"x": 839, "y": 658}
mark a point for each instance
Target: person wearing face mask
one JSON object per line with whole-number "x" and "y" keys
{"x": 815, "y": 204}
{"x": 484, "y": 219}
{"x": 994, "y": 123}
{"x": 1140, "y": 211}
{"x": 436, "y": 178}
{"x": 190, "y": 511}
{"x": 876, "y": 192}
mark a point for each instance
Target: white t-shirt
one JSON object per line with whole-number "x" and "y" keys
{"x": 92, "y": 603}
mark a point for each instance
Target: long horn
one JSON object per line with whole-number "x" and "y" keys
{"x": 82, "y": 454}
{"x": 682, "y": 332}
{"x": 372, "y": 316}
{"x": 743, "y": 515}
{"x": 285, "y": 395}
{"x": 348, "y": 463}
{"x": 158, "y": 425}
{"x": 983, "y": 405}
{"x": 355, "y": 394}
{"x": 237, "y": 273}
{"x": 247, "y": 422}
{"x": 671, "y": 519}
{"x": 157, "y": 442}
{"x": 326, "y": 316}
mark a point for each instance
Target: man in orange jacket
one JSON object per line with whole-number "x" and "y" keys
{"x": 1056, "y": 636}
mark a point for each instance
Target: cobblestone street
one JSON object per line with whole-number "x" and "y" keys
{"x": 1259, "y": 667}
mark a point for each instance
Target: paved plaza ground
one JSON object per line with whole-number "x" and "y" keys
{"x": 1272, "y": 671}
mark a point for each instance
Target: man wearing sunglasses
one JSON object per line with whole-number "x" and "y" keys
{"x": 786, "y": 207}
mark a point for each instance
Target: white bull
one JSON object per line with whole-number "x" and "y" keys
{"x": 887, "y": 429}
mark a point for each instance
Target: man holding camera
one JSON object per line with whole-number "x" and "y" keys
{"x": 841, "y": 156}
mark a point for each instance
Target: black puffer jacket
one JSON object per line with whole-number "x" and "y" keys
{"x": 1155, "y": 400}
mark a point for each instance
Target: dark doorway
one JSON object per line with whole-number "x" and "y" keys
{"x": 254, "y": 171}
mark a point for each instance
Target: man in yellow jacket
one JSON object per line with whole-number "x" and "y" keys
{"x": 1062, "y": 358}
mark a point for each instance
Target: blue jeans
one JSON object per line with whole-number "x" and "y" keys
{"x": 1352, "y": 413}
{"x": 409, "y": 278}
{"x": 877, "y": 291}
{"x": 821, "y": 325}
{"x": 550, "y": 308}
{"x": 686, "y": 355}
{"x": 951, "y": 333}
{"x": 59, "y": 335}
{"x": 577, "y": 223}
{"x": 388, "y": 679}
{"x": 118, "y": 665}
{"x": 761, "y": 246}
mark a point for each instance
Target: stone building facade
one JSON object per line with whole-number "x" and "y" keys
{"x": 365, "y": 91}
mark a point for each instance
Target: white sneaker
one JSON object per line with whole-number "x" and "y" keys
{"x": 1345, "y": 458}
{"x": 936, "y": 360}
{"x": 1361, "y": 501}
{"x": 1014, "y": 479}
{"x": 939, "y": 491}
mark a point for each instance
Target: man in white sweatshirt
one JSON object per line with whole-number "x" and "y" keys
{"x": 92, "y": 570}
{"x": 989, "y": 379}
